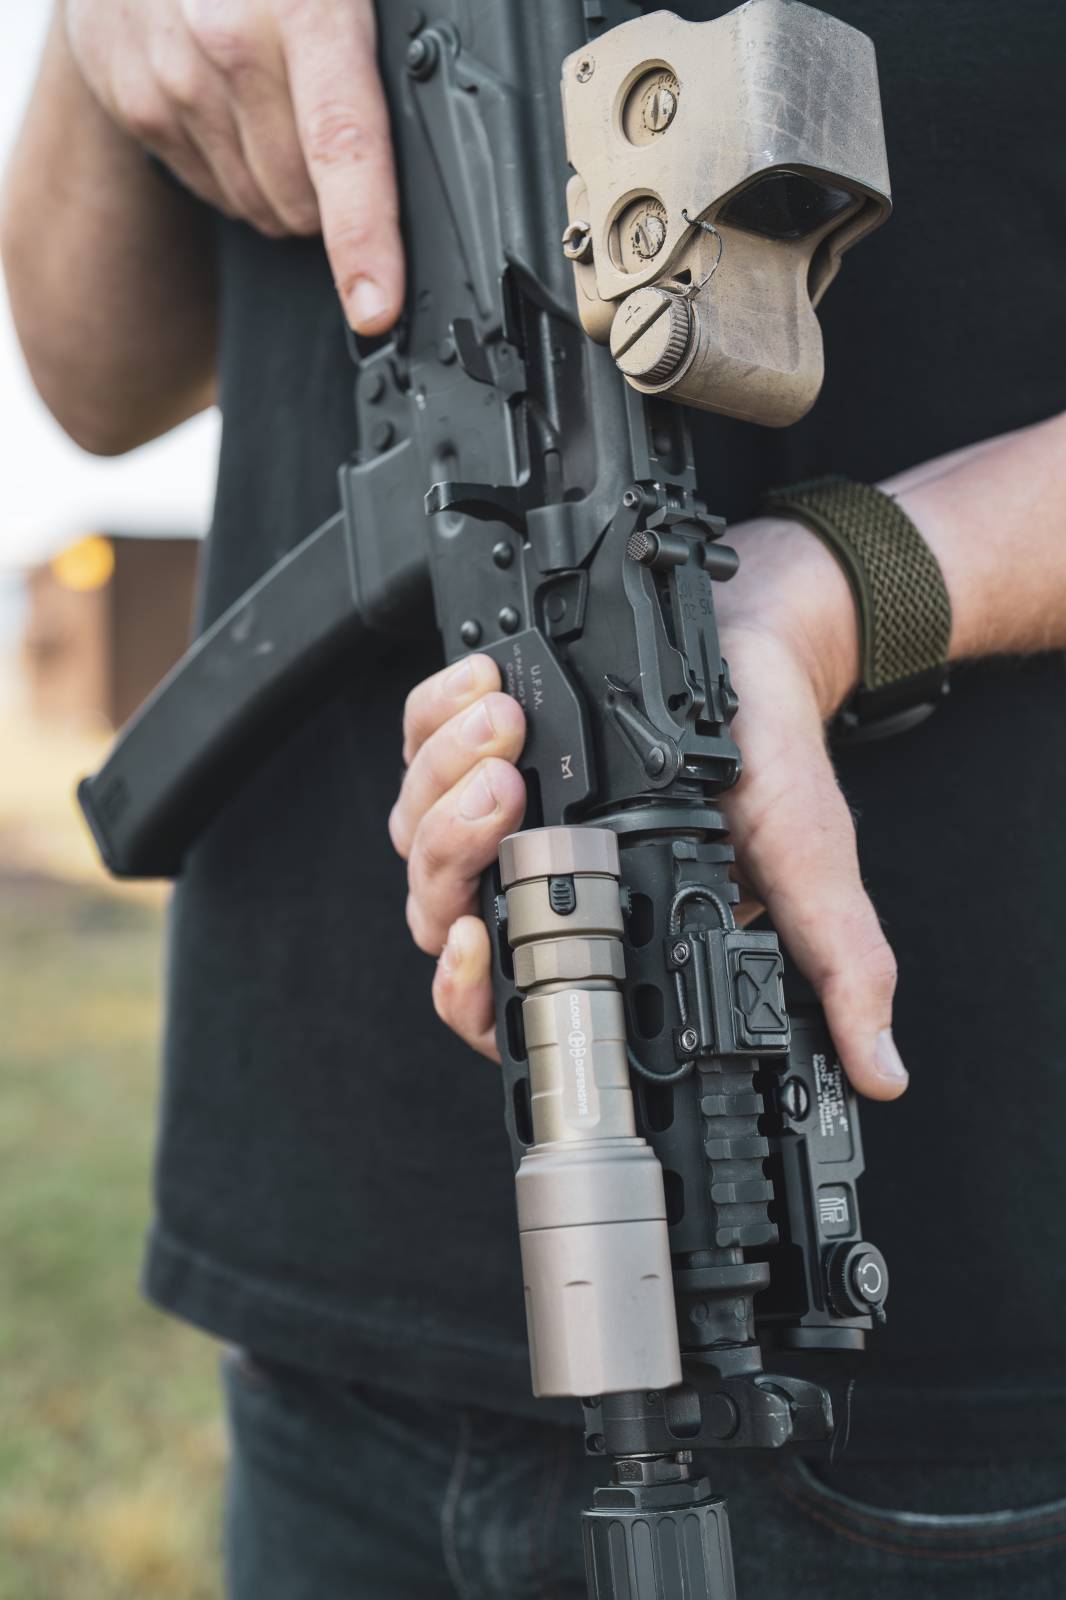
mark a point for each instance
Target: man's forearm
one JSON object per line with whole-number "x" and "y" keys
{"x": 109, "y": 270}
{"x": 996, "y": 517}
{"x": 994, "y": 514}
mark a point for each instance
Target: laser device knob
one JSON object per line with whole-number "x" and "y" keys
{"x": 651, "y": 335}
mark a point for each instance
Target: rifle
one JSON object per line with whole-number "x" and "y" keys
{"x": 687, "y": 1153}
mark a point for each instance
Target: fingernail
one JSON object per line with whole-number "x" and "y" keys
{"x": 477, "y": 799}
{"x": 367, "y": 303}
{"x": 476, "y": 727}
{"x": 451, "y": 957}
{"x": 887, "y": 1059}
{"x": 460, "y": 680}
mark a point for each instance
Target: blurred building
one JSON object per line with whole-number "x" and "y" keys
{"x": 107, "y": 617}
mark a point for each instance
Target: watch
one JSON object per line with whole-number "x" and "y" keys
{"x": 904, "y": 611}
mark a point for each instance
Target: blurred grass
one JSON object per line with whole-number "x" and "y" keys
{"x": 111, "y": 1447}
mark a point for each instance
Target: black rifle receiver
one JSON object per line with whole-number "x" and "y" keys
{"x": 523, "y": 402}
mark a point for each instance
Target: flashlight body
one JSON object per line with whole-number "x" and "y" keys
{"x": 591, "y": 1209}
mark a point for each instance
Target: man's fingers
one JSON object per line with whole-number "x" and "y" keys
{"x": 799, "y": 854}
{"x": 197, "y": 96}
{"x": 213, "y": 131}
{"x": 462, "y": 986}
{"x": 456, "y": 840}
{"x": 272, "y": 150}
{"x": 241, "y": 43}
{"x": 343, "y": 125}
{"x": 433, "y": 701}
{"x": 187, "y": 164}
{"x": 492, "y": 726}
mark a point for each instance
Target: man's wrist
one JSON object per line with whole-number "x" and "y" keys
{"x": 790, "y": 585}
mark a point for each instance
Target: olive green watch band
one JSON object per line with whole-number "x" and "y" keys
{"x": 903, "y": 605}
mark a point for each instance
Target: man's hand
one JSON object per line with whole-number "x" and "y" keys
{"x": 460, "y": 796}
{"x": 272, "y": 110}
{"x": 789, "y": 634}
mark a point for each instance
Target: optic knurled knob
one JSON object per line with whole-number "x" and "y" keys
{"x": 651, "y": 334}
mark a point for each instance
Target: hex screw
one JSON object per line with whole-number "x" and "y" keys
{"x": 689, "y": 1041}
{"x": 681, "y": 953}
{"x": 723, "y": 1418}
{"x": 422, "y": 56}
{"x": 470, "y": 632}
{"x": 509, "y": 619}
{"x": 631, "y": 499}
{"x": 503, "y": 553}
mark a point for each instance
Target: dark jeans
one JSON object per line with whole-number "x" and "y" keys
{"x": 342, "y": 1492}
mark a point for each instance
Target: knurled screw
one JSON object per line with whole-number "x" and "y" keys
{"x": 681, "y": 953}
{"x": 689, "y": 1041}
{"x": 585, "y": 68}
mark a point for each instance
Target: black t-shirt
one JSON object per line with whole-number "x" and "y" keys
{"x": 334, "y": 1182}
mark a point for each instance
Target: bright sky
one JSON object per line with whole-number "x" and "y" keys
{"x": 50, "y": 489}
